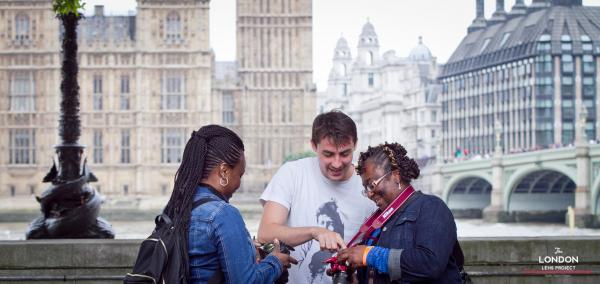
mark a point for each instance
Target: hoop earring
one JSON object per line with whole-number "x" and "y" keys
{"x": 224, "y": 181}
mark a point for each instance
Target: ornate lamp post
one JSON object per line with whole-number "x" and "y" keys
{"x": 582, "y": 138}
{"x": 498, "y": 133}
{"x": 70, "y": 206}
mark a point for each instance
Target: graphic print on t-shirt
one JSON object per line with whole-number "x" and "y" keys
{"x": 327, "y": 217}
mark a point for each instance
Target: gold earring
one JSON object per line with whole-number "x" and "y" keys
{"x": 224, "y": 181}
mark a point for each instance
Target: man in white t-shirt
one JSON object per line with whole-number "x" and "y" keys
{"x": 315, "y": 204}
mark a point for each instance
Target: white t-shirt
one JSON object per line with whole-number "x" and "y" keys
{"x": 314, "y": 200}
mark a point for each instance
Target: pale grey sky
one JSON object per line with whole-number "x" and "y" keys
{"x": 398, "y": 23}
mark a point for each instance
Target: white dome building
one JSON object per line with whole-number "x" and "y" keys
{"x": 391, "y": 98}
{"x": 420, "y": 53}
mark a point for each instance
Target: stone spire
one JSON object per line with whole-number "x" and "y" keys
{"x": 342, "y": 50}
{"x": 368, "y": 36}
{"x": 342, "y": 60}
{"x": 368, "y": 44}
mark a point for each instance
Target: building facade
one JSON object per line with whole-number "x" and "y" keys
{"x": 527, "y": 75}
{"x": 390, "y": 98}
{"x": 146, "y": 81}
{"x": 29, "y": 82}
{"x": 274, "y": 57}
{"x": 145, "y": 84}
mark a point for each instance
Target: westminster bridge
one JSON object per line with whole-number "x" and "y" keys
{"x": 531, "y": 186}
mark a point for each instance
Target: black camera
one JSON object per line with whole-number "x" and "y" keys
{"x": 266, "y": 248}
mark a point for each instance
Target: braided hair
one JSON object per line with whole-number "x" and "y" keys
{"x": 390, "y": 156}
{"x": 205, "y": 150}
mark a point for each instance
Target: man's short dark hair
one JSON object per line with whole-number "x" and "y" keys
{"x": 335, "y": 125}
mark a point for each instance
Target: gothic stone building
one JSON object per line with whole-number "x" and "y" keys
{"x": 148, "y": 80}
{"x": 274, "y": 59}
{"x": 145, "y": 84}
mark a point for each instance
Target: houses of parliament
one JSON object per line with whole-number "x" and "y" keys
{"x": 146, "y": 82}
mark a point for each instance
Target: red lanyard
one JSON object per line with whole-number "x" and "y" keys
{"x": 378, "y": 218}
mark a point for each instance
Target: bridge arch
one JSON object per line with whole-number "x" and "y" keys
{"x": 536, "y": 188}
{"x": 468, "y": 191}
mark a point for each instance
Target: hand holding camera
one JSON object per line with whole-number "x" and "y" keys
{"x": 282, "y": 252}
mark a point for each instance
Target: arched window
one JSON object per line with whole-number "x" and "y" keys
{"x": 173, "y": 26}
{"x": 370, "y": 58}
{"x": 21, "y": 27}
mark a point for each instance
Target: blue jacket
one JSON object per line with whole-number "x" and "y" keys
{"x": 218, "y": 239}
{"x": 421, "y": 237}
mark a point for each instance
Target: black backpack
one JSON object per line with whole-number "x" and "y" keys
{"x": 159, "y": 259}
{"x": 459, "y": 257}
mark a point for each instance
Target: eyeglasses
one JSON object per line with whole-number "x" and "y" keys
{"x": 371, "y": 187}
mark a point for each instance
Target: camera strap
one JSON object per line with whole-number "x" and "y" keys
{"x": 379, "y": 218}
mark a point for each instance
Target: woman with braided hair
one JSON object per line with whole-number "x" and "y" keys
{"x": 219, "y": 248}
{"x": 416, "y": 236}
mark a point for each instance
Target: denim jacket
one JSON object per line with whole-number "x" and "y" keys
{"x": 218, "y": 239}
{"x": 421, "y": 238}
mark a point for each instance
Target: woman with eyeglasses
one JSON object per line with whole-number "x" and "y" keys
{"x": 413, "y": 238}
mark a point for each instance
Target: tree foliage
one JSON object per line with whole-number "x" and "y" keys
{"x": 64, "y": 7}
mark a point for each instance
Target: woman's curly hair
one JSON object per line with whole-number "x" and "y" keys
{"x": 390, "y": 156}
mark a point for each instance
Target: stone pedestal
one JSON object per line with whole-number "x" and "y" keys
{"x": 583, "y": 196}
{"x": 496, "y": 214}
{"x": 584, "y": 219}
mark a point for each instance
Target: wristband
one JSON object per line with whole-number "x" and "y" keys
{"x": 365, "y": 253}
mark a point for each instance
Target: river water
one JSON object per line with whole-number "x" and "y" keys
{"x": 466, "y": 228}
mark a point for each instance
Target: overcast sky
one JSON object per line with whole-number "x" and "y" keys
{"x": 398, "y": 23}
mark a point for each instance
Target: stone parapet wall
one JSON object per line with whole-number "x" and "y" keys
{"x": 66, "y": 261}
{"x": 516, "y": 260}
{"x": 488, "y": 260}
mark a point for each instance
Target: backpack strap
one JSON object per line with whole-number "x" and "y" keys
{"x": 202, "y": 201}
{"x": 458, "y": 255}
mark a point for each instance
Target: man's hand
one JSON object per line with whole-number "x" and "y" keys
{"x": 328, "y": 240}
{"x": 353, "y": 255}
